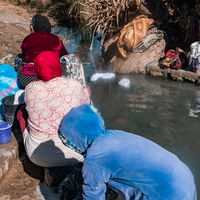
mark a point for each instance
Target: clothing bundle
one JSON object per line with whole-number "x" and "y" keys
{"x": 132, "y": 33}
{"x": 174, "y": 59}
{"x": 149, "y": 39}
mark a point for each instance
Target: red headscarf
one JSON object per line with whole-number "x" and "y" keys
{"x": 47, "y": 66}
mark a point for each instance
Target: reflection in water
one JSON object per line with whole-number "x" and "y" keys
{"x": 154, "y": 108}
{"x": 192, "y": 112}
{"x": 139, "y": 106}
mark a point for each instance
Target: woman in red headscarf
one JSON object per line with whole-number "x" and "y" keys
{"x": 47, "y": 100}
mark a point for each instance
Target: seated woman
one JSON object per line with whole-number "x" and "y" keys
{"x": 133, "y": 166}
{"x": 47, "y": 100}
{"x": 41, "y": 39}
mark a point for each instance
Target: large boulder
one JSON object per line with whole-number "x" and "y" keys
{"x": 135, "y": 62}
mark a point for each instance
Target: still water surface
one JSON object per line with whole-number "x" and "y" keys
{"x": 161, "y": 110}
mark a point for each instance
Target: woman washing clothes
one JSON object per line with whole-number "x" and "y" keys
{"x": 133, "y": 166}
{"x": 41, "y": 39}
{"x": 47, "y": 100}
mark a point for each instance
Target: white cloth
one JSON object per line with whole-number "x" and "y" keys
{"x": 125, "y": 82}
{"x": 192, "y": 112}
{"x": 49, "y": 153}
{"x": 96, "y": 76}
{"x": 19, "y": 97}
{"x": 6, "y": 57}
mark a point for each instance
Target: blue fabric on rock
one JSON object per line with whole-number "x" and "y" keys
{"x": 134, "y": 167}
{"x": 8, "y": 84}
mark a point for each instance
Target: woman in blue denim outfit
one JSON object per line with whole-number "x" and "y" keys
{"x": 134, "y": 167}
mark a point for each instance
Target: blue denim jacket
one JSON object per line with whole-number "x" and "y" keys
{"x": 134, "y": 167}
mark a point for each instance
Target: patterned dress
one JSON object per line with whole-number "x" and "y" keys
{"x": 46, "y": 104}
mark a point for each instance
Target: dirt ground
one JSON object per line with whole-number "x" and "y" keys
{"x": 21, "y": 181}
{"x": 14, "y": 26}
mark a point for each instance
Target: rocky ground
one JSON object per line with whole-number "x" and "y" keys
{"x": 22, "y": 181}
{"x": 24, "y": 178}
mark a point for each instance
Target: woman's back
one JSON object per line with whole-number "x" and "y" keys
{"x": 40, "y": 41}
{"x": 48, "y": 102}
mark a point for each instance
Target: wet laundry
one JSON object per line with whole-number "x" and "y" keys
{"x": 149, "y": 39}
{"x": 125, "y": 82}
{"x": 19, "y": 97}
{"x": 96, "y": 76}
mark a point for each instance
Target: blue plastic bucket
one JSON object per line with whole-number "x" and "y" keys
{"x": 5, "y": 132}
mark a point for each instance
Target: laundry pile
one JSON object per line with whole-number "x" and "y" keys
{"x": 8, "y": 84}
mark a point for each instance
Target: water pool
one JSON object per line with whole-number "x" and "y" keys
{"x": 164, "y": 111}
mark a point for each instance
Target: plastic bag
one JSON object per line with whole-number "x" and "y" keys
{"x": 8, "y": 84}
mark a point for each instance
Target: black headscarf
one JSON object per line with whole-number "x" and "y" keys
{"x": 41, "y": 23}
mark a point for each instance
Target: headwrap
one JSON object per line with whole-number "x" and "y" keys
{"x": 41, "y": 23}
{"x": 79, "y": 128}
{"x": 47, "y": 66}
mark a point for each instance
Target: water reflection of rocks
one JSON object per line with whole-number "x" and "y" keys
{"x": 146, "y": 108}
{"x": 194, "y": 112}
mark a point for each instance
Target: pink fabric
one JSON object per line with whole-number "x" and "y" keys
{"x": 88, "y": 89}
{"x": 22, "y": 117}
{"x": 48, "y": 102}
{"x": 47, "y": 66}
{"x": 37, "y": 42}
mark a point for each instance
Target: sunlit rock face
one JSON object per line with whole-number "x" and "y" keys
{"x": 134, "y": 62}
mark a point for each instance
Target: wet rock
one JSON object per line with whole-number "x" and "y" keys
{"x": 177, "y": 75}
{"x": 135, "y": 62}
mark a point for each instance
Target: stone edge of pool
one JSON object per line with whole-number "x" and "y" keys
{"x": 153, "y": 69}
